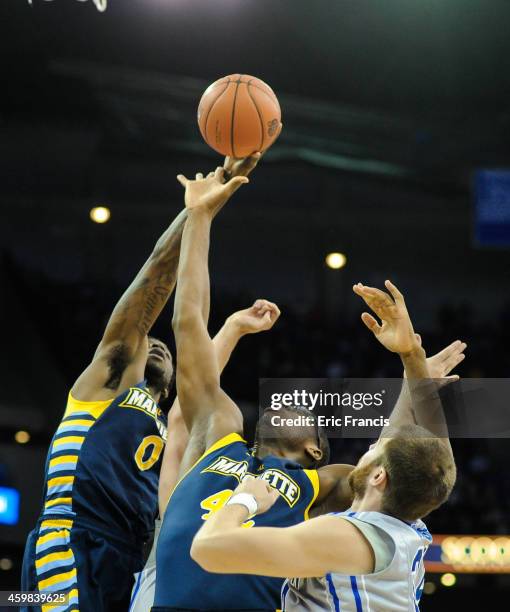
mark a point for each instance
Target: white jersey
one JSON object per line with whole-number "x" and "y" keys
{"x": 396, "y": 588}
{"x": 142, "y": 595}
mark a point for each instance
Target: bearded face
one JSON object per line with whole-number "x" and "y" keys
{"x": 358, "y": 479}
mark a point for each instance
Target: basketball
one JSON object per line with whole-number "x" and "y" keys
{"x": 239, "y": 115}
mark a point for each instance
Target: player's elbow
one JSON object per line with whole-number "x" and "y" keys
{"x": 205, "y": 552}
{"x": 195, "y": 384}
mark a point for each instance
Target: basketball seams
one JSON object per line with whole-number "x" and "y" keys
{"x": 262, "y": 130}
{"x": 271, "y": 96}
{"x": 211, "y": 106}
{"x": 233, "y": 111}
{"x": 233, "y": 116}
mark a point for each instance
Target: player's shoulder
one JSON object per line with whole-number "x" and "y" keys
{"x": 136, "y": 399}
{"x": 421, "y": 530}
{"x": 231, "y": 440}
{"x": 77, "y": 407}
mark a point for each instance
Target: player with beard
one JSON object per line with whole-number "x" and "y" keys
{"x": 100, "y": 495}
{"x": 290, "y": 459}
{"x": 371, "y": 556}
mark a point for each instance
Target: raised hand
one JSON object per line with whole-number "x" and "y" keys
{"x": 210, "y": 193}
{"x": 395, "y": 332}
{"x": 259, "y": 317}
{"x": 240, "y": 166}
{"x": 441, "y": 364}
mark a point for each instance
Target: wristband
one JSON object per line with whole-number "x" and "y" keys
{"x": 247, "y": 500}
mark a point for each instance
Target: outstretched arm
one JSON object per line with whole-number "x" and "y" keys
{"x": 208, "y": 412}
{"x": 335, "y": 493}
{"x": 121, "y": 355}
{"x": 395, "y": 332}
{"x": 239, "y": 324}
{"x": 313, "y": 548}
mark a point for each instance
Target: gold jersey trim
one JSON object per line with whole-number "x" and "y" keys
{"x": 221, "y": 443}
{"x": 96, "y": 408}
{"x": 313, "y": 475}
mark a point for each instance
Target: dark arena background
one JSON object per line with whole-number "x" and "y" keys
{"x": 395, "y": 153}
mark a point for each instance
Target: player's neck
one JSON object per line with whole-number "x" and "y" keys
{"x": 155, "y": 394}
{"x": 282, "y": 453}
{"x": 261, "y": 451}
{"x": 370, "y": 502}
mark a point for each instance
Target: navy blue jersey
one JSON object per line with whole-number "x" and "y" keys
{"x": 100, "y": 501}
{"x": 182, "y": 583}
{"x": 103, "y": 464}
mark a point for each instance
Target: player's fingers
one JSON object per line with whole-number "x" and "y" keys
{"x": 371, "y": 323}
{"x": 249, "y": 163}
{"x": 182, "y": 180}
{"x": 210, "y": 175}
{"x": 447, "y": 380}
{"x": 359, "y": 291}
{"x": 274, "y": 309}
{"x": 199, "y": 176}
{"x": 453, "y": 362}
{"x": 396, "y": 294}
{"x": 373, "y": 300}
{"x": 267, "y": 318}
{"x": 379, "y": 297}
{"x": 219, "y": 174}
{"x": 449, "y": 350}
{"x": 266, "y": 304}
{"x": 233, "y": 185}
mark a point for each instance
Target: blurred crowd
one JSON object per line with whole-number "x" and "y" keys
{"x": 311, "y": 344}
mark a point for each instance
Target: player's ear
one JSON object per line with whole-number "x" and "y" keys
{"x": 314, "y": 452}
{"x": 379, "y": 477}
{"x": 164, "y": 394}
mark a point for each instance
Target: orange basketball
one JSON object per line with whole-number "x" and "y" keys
{"x": 239, "y": 115}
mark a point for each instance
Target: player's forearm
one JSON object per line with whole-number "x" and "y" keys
{"x": 193, "y": 289}
{"x": 402, "y": 413}
{"x": 225, "y": 342}
{"x": 172, "y": 235}
{"x": 427, "y": 407}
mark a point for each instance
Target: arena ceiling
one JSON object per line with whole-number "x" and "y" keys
{"x": 412, "y": 90}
